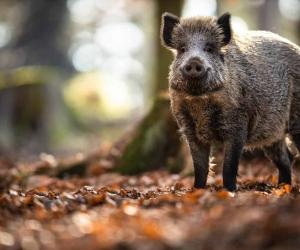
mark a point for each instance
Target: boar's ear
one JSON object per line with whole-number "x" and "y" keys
{"x": 224, "y": 23}
{"x": 169, "y": 21}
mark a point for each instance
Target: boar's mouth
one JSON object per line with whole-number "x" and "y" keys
{"x": 200, "y": 93}
{"x": 196, "y": 87}
{"x": 200, "y": 88}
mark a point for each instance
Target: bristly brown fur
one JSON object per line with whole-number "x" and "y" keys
{"x": 206, "y": 26}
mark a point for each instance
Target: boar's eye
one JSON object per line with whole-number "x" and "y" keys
{"x": 182, "y": 49}
{"x": 209, "y": 48}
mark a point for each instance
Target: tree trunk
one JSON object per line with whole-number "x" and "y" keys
{"x": 267, "y": 12}
{"x": 156, "y": 142}
{"x": 164, "y": 57}
{"x": 39, "y": 36}
{"x": 29, "y": 105}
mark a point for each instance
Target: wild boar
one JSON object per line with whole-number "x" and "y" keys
{"x": 242, "y": 90}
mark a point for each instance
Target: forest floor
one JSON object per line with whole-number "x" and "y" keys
{"x": 154, "y": 210}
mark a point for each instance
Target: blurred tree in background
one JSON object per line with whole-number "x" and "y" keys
{"x": 37, "y": 62}
{"x": 163, "y": 57}
{"x": 156, "y": 142}
{"x": 40, "y": 36}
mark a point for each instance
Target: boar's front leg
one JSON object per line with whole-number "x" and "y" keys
{"x": 233, "y": 150}
{"x": 200, "y": 154}
{"x": 199, "y": 151}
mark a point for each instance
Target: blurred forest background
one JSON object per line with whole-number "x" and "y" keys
{"x": 83, "y": 101}
{"x": 77, "y": 73}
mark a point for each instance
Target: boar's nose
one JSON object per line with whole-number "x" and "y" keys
{"x": 193, "y": 69}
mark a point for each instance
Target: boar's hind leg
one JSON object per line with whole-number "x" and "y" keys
{"x": 278, "y": 153}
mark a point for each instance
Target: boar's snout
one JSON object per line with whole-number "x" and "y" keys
{"x": 193, "y": 68}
